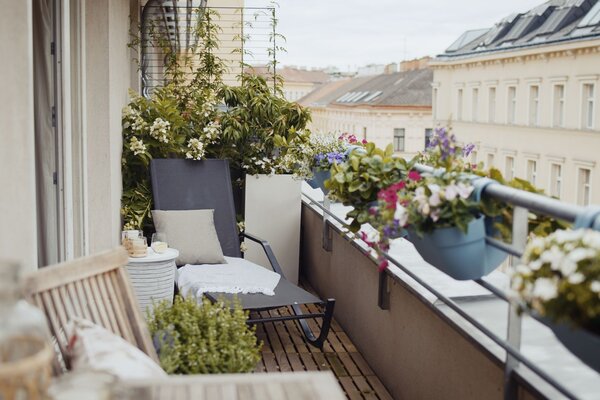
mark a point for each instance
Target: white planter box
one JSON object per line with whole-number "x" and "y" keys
{"x": 273, "y": 209}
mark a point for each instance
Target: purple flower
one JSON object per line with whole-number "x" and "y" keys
{"x": 468, "y": 149}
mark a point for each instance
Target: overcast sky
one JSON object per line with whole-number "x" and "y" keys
{"x": 350, "y": 33}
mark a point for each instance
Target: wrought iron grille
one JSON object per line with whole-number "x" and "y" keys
{"x": 247, "y": 38}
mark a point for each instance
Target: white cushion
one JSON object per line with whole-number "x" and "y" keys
{"x": 236, "y": 276}
{"x": 97, "y": 349}
{"x": 193, "y": 233}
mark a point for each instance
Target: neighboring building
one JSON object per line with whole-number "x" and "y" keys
{"x": 387, "y": 108}
{"x": 526, "y": 92}
{"x": 297, "y": 82}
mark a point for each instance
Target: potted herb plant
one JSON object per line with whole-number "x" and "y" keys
{"x": 558, "y": 281}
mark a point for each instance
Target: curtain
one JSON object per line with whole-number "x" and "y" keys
{"x": 45, "y": 133}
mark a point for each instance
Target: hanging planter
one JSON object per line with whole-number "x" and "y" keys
{"x": 463, "y": 256}
{"x": 558, "y": 282}
{"x": 584, "y": 344}
{"x": 318, "y": 179}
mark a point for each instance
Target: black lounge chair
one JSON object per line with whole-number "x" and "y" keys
{"x": 193, "y": 185}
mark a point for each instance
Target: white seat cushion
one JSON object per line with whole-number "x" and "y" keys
{"x": 237, "y": 276}
{"x": 94, "y": 348}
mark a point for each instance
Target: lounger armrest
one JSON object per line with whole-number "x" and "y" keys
{"x": 268, "y": 251}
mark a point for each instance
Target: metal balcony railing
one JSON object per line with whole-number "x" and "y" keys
{"x": 247, "y": 38}
{"x": 523, "y": 203}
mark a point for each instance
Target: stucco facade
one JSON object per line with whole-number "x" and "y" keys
{"x": 93, "y": 76}
{"x": 376, "y": 124}
{"x": 530, "y": 112}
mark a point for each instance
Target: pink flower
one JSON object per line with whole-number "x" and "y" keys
{"x": 364, "y": 141}
{"x": 414, "y": 175}
{"x": 383, "y": 264}
{"x": 352, "y": 139}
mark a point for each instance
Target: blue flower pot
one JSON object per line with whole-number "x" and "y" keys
{"x": 318, "y": 180}
{"x": 463, "y": 256}
{"x": 584, "y": 344}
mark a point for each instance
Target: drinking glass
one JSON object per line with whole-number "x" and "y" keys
{"x": 159, "y": 242}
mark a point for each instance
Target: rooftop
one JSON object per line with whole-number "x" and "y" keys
{"x": 554, "y": 21}
{"x": 408, "y": 88}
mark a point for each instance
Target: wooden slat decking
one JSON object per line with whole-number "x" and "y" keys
{"x": 285, "y": 350}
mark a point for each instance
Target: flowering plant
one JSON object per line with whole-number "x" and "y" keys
{"x": 358, "y": 181}
{"x": 444, "y": 151}
{"x": 438, "y": 202}
{"x": 559, "y": 278}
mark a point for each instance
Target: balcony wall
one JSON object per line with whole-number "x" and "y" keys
{"x": 415, "y": 351}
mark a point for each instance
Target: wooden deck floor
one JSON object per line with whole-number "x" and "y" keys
{"x": 284, "y": 349}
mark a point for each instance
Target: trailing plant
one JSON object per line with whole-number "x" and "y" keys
{"x": 357, "y": 181}
{"x": 203, "y": 338}
{"x": 559, "y": 278}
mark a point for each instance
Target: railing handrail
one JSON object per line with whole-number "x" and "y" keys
{"x": 519, "y": 198}
{"x": 532, "y": 201}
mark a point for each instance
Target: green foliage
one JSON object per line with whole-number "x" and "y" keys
{"x": 260, "y": 123}
{"x": 184, "y": 119}
{"x": 539, "y": 225}
{"x": 203, "y": 338}
{"x": 357, "y": 181}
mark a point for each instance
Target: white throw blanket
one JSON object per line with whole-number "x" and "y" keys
{"x": 237, "y": 276}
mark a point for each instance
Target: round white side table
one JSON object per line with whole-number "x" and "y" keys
{"x": 153, "y": 277}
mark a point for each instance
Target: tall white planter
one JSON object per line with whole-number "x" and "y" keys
{"x": 273, "y": 209}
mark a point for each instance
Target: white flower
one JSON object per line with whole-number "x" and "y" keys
{"x": 592, "y": 239}
{"x": 373, "y": 236}
{"x": 196, "y": 151}
{"x": 425, "y": 209}
{"x": 567, "y": 267}
{"x": 595, "y": 286}
{"x": 435, "y": 188}
{"x": 563, "y": 236}
{"x": 435, "y": 215}
{"x": 464, "y": 190}
{"x": 434, "y": 199}
{"x": 545, "y": 289}
{"x": 401, "y": 215}
{"x": 553, "y": 256}
{"x": 576, "y": 278}
{"x": 523, "y": 269}
{"x": 137, "y": 146}
{"x": 581, "y": 254}
{"x": 535, "y": 265}
{"x": 159, "y": 130}
{"x": 451, "y": 192}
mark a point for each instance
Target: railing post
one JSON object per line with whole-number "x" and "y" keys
{"x": 520, "y": 230}
{"x": 326, "y": 243}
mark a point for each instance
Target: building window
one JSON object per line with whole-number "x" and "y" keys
{"x": 398, "y": 139}
{"x": 490, "y": 161}
{"x": 434, "y": 104}
{"x": 509, "y": 168}
{"x": 534, "y": 103}
{"x": 492, "y": 105}
{"x": 473, "y": 157}
{"x": 428, "y": 136}
{"x": 584, "y": 187}
{"x": 459, "y": 104}
{"x": 555, "y": 180}
{"x": 587, "y": 115}
{"x": 364, "y": 136}
{"x": 511, "y": 110}
{"x": 558, "y": 108}
{"x": 532, "y": 171}
{"x": 475, "y": 104}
